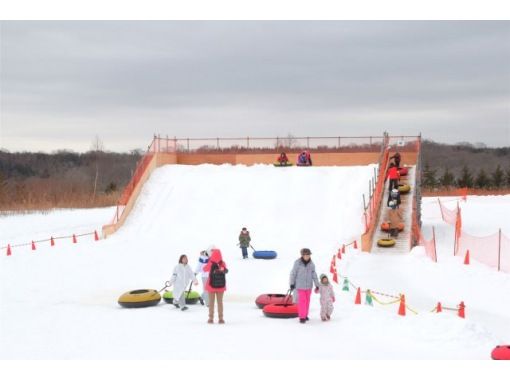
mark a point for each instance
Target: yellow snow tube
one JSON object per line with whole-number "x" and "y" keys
{"x": 404, "y": 189}
{"x": 140, "y": 298}
{"x": 386, "y": 242}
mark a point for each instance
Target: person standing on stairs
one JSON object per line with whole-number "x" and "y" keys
{"x": 397, "y": 158}
{"x": 393, "y": 176}
{"x": 395, "y": 217}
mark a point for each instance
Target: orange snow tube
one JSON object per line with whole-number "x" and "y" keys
{"x": 385, "y": 226}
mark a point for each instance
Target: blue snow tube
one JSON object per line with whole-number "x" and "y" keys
{"x": 266, "y": 255}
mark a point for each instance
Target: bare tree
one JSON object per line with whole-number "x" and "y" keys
{"x": 97, "y": 148}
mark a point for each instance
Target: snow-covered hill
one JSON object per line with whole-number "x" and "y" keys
{"x": 61, "y": 302}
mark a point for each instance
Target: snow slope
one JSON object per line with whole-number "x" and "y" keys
{"x": 60, "y": 302}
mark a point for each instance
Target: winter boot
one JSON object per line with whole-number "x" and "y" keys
{"x": 184, "y": 308}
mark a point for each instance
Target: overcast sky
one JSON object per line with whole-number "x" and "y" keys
{"x": 62, "y": 83}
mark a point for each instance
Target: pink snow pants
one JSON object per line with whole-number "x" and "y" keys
{"x": 303, "y": 302}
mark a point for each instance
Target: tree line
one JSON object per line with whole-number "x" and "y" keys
{"x": 96, "y": 178}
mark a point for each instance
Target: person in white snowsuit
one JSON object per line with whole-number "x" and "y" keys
{"x": 181, "y": 278}
{"x": 327, "y": 297}
{"x": 202, "y": 260}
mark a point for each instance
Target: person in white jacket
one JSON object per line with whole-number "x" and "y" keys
{"x": 202, "y": 260}
{"x": 181, "y": 278}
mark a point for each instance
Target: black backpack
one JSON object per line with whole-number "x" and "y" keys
{"x": 217, "y": 276}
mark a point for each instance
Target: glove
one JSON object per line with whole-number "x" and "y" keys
{"x": 316, "y": 289}
{"x": 292, "y": 287}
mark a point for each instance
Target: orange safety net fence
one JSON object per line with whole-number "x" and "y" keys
{"x": 492, "y": 250}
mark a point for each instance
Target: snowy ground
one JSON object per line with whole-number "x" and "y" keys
{"x": 61, "y": 302}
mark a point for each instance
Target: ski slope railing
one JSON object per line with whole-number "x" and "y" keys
{"x": 371, "y": 208}
{"x": 492, "y": 250}
{"x": 267, "y": 144}
{"x": 140, "y": 170}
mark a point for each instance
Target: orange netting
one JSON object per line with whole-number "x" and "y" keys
{"x": 483, "y": 249}
{"x": 429, "y": 245}
{"x": 492, "y": 250}
{"x": 139, "y": 171}
{"x": 449, "y": 216}
{"x": 504, "y": 254}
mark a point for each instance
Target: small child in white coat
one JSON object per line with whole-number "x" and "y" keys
{"x": 202, "y": 261}
{"x": 181, "y": 278}
{"x": 327, "y": 297}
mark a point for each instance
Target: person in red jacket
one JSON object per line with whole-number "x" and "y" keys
{"x": 216, "y": 284}
{"x": 283, "y": 159}
{"x": 393, "y": 176}
{"x": 397, "y": 159}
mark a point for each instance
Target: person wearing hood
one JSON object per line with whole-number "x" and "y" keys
{"x": 327, "y": 295}
{"x": 216, "y": 283}
{"x": 181, "y": 278}
{"x": 202, "y": 261}
{"x": 302, "y": 278}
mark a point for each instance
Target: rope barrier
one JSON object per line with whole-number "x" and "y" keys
{"x": 50, "y": 239}
{"x": 396, "y": 299}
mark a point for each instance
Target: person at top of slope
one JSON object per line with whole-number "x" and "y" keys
{"x": 304, "y": 159}
{"x": 283, "y": 160}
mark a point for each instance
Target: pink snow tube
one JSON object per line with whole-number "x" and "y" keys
{"x": 280, "y": 310}
{"x": 501, "y": 353}
{"x": 267, "y": 299}
{"x": 403, "y": 171}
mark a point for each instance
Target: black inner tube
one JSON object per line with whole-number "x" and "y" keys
{"x": 139, "y": 291}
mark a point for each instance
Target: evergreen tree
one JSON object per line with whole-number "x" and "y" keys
{"x": 482, "y": 180}
{"x": 498, "y": 177}
{"x": 447, "y": 179}
{"x": 429, "y": 177}
{"x": 466, "y": 179}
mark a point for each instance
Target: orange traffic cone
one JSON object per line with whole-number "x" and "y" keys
{"x": 335, "y": 277}
{"x": 9, "y": 250}
{"x": 339, "y": 254}
{"x": 402, "y": 307}
{"x": 343, "y": 248}
{"x": 462, "y": 307}
{"x": 52, "y": 241}
{"x": 357, "y": 300}
{"x": 33, "y": 246}
{"x": 466, "y": 258}
{"x": 96, "y": 237}
{"x": 74, "y": 239}
{"x": 355, "y": 245}
{"x": 439, "y": 308}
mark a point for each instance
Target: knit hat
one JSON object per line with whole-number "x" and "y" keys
{"x": 322, "y": 276}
